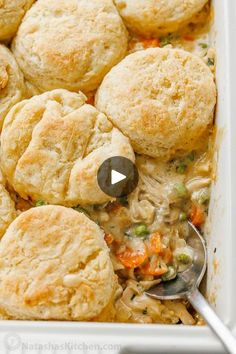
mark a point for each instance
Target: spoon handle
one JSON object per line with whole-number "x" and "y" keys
{"x": 201, "y": 305}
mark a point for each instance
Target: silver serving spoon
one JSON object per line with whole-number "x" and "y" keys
{"x": 186, "y": 284}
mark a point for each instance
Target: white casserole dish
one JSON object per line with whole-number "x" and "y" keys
{"x": 70, "y": 337}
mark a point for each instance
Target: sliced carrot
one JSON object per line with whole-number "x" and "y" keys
{"x": 188, "y": 37}
{"x": 132, "y": 259}
{"x": 109, "y": 238}
{"x": 23, "y": 205}
{"x": 155, "y": 243}
{"x": 90, "y": 100}
{"x": 155, "y": 269}
{"x": 113, "y": 207}
{"x": 167, "y": 256}
{"x": 151, "y": 43}
{"x": 197, "y": 215}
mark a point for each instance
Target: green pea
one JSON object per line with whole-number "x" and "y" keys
{"x": 182, "y": 216}
{"x": 184, "y": 258}
{"x": 141, "y": 230}
{"x": 203, "y": 45}
{"x": 181, "y": 190}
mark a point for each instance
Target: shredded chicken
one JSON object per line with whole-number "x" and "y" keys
{"x": 135, "y": 306}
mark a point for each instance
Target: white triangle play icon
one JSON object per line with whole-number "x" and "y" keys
{"x": 116, "y": 177}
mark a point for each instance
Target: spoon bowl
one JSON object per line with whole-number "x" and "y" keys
{"x": 186, "y": 284}
{"x": 189, "y": 279}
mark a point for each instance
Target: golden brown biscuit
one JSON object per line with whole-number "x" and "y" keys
{"x": 12, "y": 87}
{"x": 155, "y": 17}
{"x": 11, "y": 14}
{"x": 70, "y": 44}
{"x": 55, "y": 265}
{"x": 7, "y": 210}
{"x": 7, "y": 206}
{"x": 109, "y": 312}
{"x": 52, "y": 146}
{"x": 162, "y": 99}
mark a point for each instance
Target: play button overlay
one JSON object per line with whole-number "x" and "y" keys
{"x": 117, "y": 177}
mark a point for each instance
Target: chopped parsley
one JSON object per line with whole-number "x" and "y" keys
{"x": 210, "y": 62}
{"x": 145, "y": 311}
{"x": 123, "y": 200}
{"x": 165, "y": 40}
{"x": 181, "y": 168}
{"x": 39, "y": 203}
{"x": 81, "y": 210}
{"x": 191, "y": 156}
